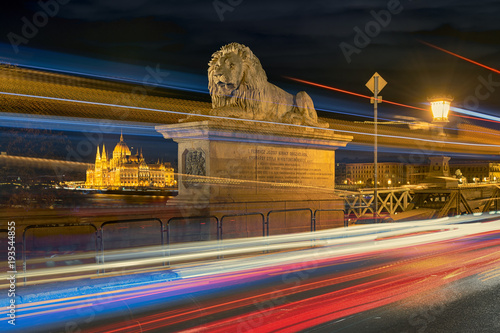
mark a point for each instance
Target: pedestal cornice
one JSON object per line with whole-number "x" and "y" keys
{"x": 255, "y": 132}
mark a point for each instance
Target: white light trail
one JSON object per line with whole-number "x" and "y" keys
{"x": 474, "y": 113}
{"x": 327, "y": 244}
{"x": 247, "y": 120}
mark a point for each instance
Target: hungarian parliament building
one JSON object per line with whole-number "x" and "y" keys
{"x": 125, "y": 170}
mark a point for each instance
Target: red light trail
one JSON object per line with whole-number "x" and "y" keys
{"x": 461, "y": 57}
{"x": 352, "y": 93}
{"x": 371, "y": 269}
{"x": 385, "y": 101}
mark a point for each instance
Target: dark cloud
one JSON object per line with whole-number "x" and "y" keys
{"x": 292, "y": 38}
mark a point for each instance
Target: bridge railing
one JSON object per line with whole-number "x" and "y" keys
{"x": 389, "y": 202}
{"x": 36, "y": 252}
{"x": 190, "y": 229}
{"x": 129, "y": 234}
{"x": 308, "y": 222}
{"x": 248, "y": 233}
{"x": 328, "y": 224}
{"x": 115, "y": 239}
{"x": 50, "y": 250}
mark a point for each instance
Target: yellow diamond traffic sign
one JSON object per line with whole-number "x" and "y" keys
{"x": 371, "y": 83}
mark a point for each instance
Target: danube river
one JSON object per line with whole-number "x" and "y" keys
{"x": 43, "y": 197}
{"x": 106, "y": 199}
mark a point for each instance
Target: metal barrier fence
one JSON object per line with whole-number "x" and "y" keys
{"x": 315, "y": 219}
{"x": 200, "y": 234}
{"x": 221, "y": 224}
{"x": 202, "y": 218}
{"x": 289, "y": 211}
{"x": 217, "y": 226}
{"x": 133, "y": 221}
{"x": 61, "y": 225}
{"x": 389, "y": 201}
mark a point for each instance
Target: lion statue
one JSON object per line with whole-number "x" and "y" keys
{"x": 239, "y": 88}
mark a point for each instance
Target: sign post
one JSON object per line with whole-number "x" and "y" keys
{"x": 375, "y": 84}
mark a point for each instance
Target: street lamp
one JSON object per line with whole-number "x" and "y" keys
{"x": 439, "y": 167}
{"x": 440, "y": 107}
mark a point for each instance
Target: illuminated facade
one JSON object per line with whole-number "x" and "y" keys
{"x": 478, "y": 171}
{"x": 362, "y": 174}
{"x": 400, "y": 174}
{"x": 125, "y": 170}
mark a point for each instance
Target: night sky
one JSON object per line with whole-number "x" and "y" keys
{"x": 301, "y": 39}
{"x": 291, "y": 38}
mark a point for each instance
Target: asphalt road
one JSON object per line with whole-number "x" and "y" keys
{"x": 467, "y": 306}
{"x": 444, "y": 278}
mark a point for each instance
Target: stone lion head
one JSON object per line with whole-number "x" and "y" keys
{"x": 235, "y": 76}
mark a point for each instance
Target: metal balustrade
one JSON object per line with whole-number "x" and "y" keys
{"x": 165, "y": 230}
{"x": 311, "y": 223}
{"x": 315, "y": 219}
{"x": 126, "y": 222}
{"x": 241, "y": 215}
{"x": 60, "y": 225}
{"x": 168, "y": 231}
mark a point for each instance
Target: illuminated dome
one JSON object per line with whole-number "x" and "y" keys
{"x": 121, "y": 148}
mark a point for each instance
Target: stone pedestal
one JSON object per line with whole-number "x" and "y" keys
{"x": 439, "y": 172}
{"x": 236, "y": 166}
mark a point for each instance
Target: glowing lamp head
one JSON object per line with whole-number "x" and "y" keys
{"x": 440, "y": 107}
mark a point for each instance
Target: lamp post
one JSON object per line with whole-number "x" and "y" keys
{"x": 440, "y": 107}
